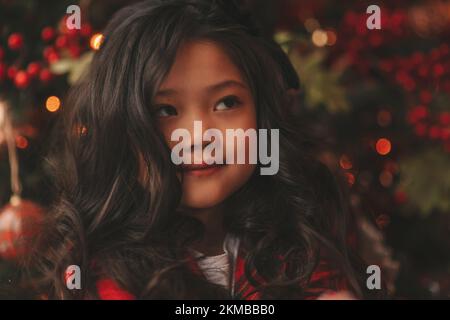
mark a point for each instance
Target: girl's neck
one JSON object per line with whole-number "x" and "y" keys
{"x": 212, "y": 219}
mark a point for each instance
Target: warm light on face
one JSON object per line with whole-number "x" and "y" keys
{"x": 204, "y": 86}
{"x": 53, "y": 104}
{"x": 96, "y": 41}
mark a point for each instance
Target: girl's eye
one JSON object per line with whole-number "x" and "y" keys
{"x": 227, "y": 103}
{"x": 165, "y": 111}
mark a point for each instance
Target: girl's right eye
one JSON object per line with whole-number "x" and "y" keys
{"x": 165, "y": 111}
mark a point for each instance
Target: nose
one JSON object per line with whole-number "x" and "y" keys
{"x": 199, "y": 122}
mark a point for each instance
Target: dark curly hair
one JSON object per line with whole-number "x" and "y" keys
{"x": 110, "y": 224}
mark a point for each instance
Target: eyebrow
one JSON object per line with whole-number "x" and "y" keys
{"x": 211, "y": 89}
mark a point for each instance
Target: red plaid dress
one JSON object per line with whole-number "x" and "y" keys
{"x": 323, "y": 280}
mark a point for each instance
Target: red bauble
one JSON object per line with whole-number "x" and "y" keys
{"x": 19, "y": 223}
{"x": 22, "y": 80}
{"x": 15, "y": 41}
{"x": 33, "y": 69}
{"x": 45, "y": 75}
{"x": 47, "y": 34}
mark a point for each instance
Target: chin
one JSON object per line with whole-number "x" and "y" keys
{"x": 210, "y": 191}
{"x": 202, "y": 199}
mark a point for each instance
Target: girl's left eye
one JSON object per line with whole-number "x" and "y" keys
{"x": 227, "y": 103}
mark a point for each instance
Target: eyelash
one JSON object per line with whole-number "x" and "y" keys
{"x": 161, "y": 108}
{"x": 235, "y": 100}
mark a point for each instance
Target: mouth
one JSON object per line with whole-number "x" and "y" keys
{"x": 201, "y": 170}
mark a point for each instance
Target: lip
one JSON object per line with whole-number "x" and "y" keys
{"x": 201, "y": 170}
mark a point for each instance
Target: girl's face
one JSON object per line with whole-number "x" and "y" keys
{"x": 204, "y": 85}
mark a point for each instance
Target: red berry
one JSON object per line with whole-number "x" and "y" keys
{"x": 438, "y": 70}
{"x": 375, "y": 39}
{"x": 445, "y": 133}
{"x": 72, "y": 33}
{"x": 86, "y": 30}
{"x": 417, "y": 58}
{"x": 426, "y": 96}
{"x": 61, "y": 42}
{"x": 417, "y": 113}
{"x": 15, "y": 41}
{"x": 45, "y": 75}
{"x": 75, "y": 51}
{"x": 22, "y": 79}
{"x": 12, "y": 71}
{"x": 33, "y": 69}
{"x": 47, "y": 51}
{"x": 47, "y": 34}
{"x": 434, "y": 132}
{"x": 444, "y": 118}
{"x": 423, "y": 71}
{"x": 53, "y": 57}
{"x": 51, "y": 54}
{"x": 420, "y": 129}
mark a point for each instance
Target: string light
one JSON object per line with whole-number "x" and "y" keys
{"x": 96, "y": 41}
{"x": 53, "y": 104}
{"x": 319, "y": 38}
{"x": 383, "y": 146}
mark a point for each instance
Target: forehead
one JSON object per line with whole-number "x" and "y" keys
{"x": 199, "y": 64}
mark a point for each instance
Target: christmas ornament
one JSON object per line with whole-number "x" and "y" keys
{"x": 20, "y": 219}
{"x": 18, "y": 225}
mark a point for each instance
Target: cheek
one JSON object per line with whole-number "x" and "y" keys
{"x": 167, "y": 128}
{"x": 244, "y": 121}
{"x": 210, "y": 191}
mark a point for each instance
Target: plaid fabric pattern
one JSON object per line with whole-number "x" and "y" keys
{"x": 323, "y": 280}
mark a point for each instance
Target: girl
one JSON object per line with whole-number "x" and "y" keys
{"x": 141, "y": 227}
